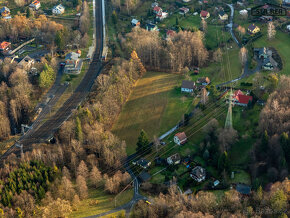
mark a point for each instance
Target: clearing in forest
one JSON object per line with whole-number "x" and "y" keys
{"x": 155, "y": 105}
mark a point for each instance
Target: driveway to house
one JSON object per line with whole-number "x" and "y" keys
{"x": 246, "y": 71}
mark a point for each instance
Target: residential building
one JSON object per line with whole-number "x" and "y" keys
{"x": 5, "y": 12}
{"x": 240, "y": 99}
{"x": 198, "y": 174}
{"x": 240, "y": 3}
{"x": 161, "y": 15}
{"x": 142, "y": 163}
{"x": 58, "y": 9}
{"x": 243, "y": 12}
{"x": 187, "y": 86}
{"x": 72, "y": 63}
{"x": 174, "y": 159}
{"x": 243, "y": 189}
{"x": 204, "y": 14}
{"x": 5, "y": 47}
{"x": 266, "y": 55}
{"x": 157, "y": 9}
{"x": 183, "y": 10}
{"x": 26, "y": 63}
{"x": 151, "y": 27}
{"x": 253, "y": 29}
{"x": 204, "y": 81}
{"x": 35, "y": 5}
{"x": 288, "y": 28}
{"x": 135, "y": 22}
{"x": 154, "y": 4}
{"x": 186, "y": 1}
{"x": 223, "y": 15}
{"x": 180, "y": 138}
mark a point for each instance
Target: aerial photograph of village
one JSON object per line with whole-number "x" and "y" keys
{"x": 145, "y": 108}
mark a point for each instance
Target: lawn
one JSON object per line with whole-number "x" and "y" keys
{"x": 282, "y": 44}
{"x": 155, "y": 105}
{"x": 99, "y": 202}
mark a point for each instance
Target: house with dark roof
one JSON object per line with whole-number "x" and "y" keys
{"x": 204, "y": 81}
{"x": 223, "y": 15}
{"x": 142, "y": 163}
{"x": 187, "y": 86}
{"x": 180, "y": 138}
{"x": 174, "y": 159}
{"x": 240, "y": 99}
{"x": 73, "y": 64}
{"x": 204, "y": 14}
{"x": 266, "y": 55}
{"x": 26, "y": 63}
{"x": 198, "y": 174}
{"x": 253, "y": 29}
{"x": 151, "y": 27}
{"x": 243, "y": 189}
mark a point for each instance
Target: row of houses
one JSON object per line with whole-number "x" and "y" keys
{"x": 35, "y": 5}
{"x": 198, "y": 173}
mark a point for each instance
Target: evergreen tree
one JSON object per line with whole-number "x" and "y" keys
{"x": 223, "y": 162}
{"x": 114, "y": 17}
{"x": 285, "y": 143}
{"x": 28, "y": 12}
{"x": 143, "y": 146}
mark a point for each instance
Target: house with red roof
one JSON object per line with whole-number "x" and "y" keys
{"x": 5, "y": 47}
{"x": 35, "y": 5}
{"x": 240, "y": 99}
{"x": 204, "y": 14}
{"x": 161, "y": 15}
{"x": 157, "y": 10}
{"x": 180, "y": 138}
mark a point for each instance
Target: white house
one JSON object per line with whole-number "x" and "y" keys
{"x": 187, "y": 86}
{"x": 35, "y": 5}
{"x": 243, "y": 12}
{"x": 180, "y": 138}
{"x": 288, "y": 27}
{"x": 58, "y": 9}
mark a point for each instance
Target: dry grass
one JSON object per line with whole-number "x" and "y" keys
{"x": 155, "y": 105}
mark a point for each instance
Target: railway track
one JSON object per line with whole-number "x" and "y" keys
{"x": 47, "y": 129}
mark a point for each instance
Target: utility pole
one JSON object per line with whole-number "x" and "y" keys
{"x": 229, "y": 119}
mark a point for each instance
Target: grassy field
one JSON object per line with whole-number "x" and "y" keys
{"x": 100, "y": 202}
{"x": 155, "y": 105}
{"x": 282, "y": 44}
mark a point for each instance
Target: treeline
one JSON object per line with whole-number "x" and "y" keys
{"x": 183, "y": 49}
{"x": 52, "y": 34}
{"x": 271, "y": 153}
{"x": 18, "y": 91}
{"x": 88, "y": 154}
{"x": 273, "y": 203}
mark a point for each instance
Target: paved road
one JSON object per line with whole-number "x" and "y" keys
{"x": 246, "y": 71}
{"x": 128, "y": 206}
{"x": 47, "y": 129}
